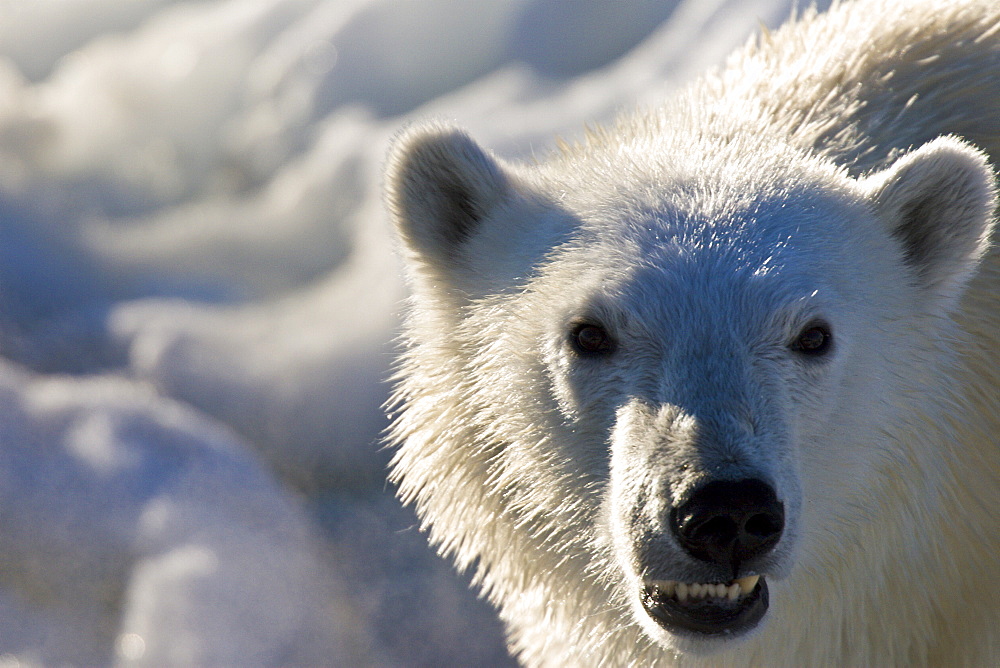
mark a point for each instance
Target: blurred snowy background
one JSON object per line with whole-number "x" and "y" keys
{"x": 198, "y": 298}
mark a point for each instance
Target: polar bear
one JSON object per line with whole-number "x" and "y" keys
{"x": 720, "y": 383}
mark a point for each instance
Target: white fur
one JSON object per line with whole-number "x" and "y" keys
{"x": 827, "y": 172}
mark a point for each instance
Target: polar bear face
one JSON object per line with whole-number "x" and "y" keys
{"x": 685, "y": 371}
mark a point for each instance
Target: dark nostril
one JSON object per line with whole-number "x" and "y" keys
{"x": 763, "y": 525}
{"x": 714, "y": 527}
{"x": 729, "y": 522}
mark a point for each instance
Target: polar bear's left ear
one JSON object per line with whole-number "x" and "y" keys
{"x": 938, "y": 201}
{"x": 440, "y": 188}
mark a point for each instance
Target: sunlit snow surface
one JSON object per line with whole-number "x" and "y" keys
{"x": 198, "y": 297}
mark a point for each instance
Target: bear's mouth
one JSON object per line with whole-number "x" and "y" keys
{"x": 707, "y": 609}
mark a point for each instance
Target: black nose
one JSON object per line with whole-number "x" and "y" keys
{"x": 729, "y": 522}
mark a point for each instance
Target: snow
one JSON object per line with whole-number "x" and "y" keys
{"x": 198, "y": 298}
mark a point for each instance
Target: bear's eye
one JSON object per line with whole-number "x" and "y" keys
{"x": 814, "y": 340}
{"x": 589, "y": 339}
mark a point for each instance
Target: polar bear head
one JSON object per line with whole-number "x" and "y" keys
{"x": 654, "y": 379}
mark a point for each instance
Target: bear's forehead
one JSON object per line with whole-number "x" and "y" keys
{"x": 664, "y": 255}
{"x": 747, "y": 231}
{"x": 701, "y": 190}
{"x": 669, "y": 279}
{"x": 654, "y": 279}
{"x": 678, "y": 231}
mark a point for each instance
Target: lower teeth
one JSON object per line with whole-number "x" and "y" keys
{"x": 683, "y": 591}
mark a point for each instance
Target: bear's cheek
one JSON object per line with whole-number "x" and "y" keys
{"x": 586, "y": 394}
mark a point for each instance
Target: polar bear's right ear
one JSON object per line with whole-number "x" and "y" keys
{"x": 440, "y": 187}
{"x": 938, "y": 201}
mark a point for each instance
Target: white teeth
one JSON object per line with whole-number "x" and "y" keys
{"x": 665, "y": 586}
{"x": 748, "y": 583}
{"x": 682, "y": 591}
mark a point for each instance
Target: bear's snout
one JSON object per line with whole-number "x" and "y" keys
{"x": 729, "y": 523}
